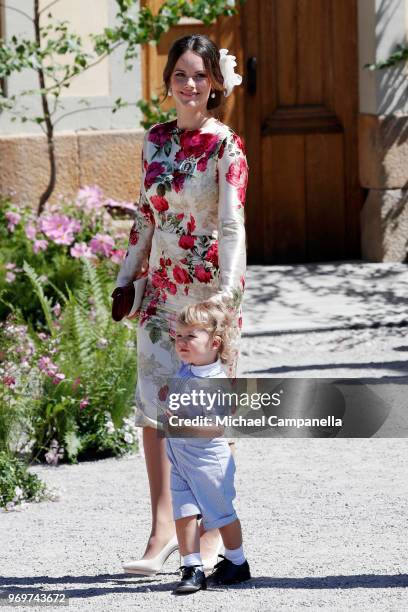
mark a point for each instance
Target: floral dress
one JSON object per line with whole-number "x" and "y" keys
{"x": 190, "y": 225}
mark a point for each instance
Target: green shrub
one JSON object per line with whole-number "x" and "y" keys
{"x": 17, "y": 484}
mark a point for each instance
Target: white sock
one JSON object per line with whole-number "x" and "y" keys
{"x": 236, "y": 555}
{"x": 192, "y": 559}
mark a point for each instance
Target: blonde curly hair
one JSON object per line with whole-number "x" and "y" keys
{"x": 217, "y": 320}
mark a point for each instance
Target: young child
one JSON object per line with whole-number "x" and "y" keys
{"x": 202, "y": 468}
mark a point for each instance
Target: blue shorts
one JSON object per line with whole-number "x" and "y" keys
{"x": 202, "y": 480}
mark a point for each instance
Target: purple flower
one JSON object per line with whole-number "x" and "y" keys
{"x": 57, "y": 378}
{"x": 81, "y": 249}
{"x": 60, "y": 228}
{"x": 57, "y": 309}
{"x": 10, "y": 277}
{"x": 46, "y": 365}
{"x": 12, "y": 218}
{"x": 102, "y": 243}
{"x": 117, "y": 256}
{"x": 84, "y": 403}
{"x": 40, "y": 245}
{"x": 90, "y": 198}
{"x": 30, "y": 231}
{"x": 10, "y": 266}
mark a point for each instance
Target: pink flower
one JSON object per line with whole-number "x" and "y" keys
{"x": 10, "y": 277}
{"x": 84, "y": 403}
{"x": 202, "y": 274}
{"x": 187, "y": 242}
{"x": 237, "y": 176}
{"x": 81, "y": 249}
{"x": 10, "y": 266}
{"x": 9, "y": 381}
{"x": 57, "y": 378}
{"x": 31, "y": 231}
{"x": 117, "y": 256}
{"x": 60, "y": 228}
{"x": 160, "y": 203}
{"x": 103, "y": 244}
{"x": 12, "y": 218}
{"x": 181, "y": 276}
{"x": 40, "y": 245}
{"x": 90, "y": 198}
{"x": 57, "y": 309}
{"x": 45, "y": 364}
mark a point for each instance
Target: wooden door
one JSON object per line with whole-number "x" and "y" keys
{"x": 301, "y": 110}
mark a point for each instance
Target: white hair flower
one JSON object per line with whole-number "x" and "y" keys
{"x": 227, "y": 65}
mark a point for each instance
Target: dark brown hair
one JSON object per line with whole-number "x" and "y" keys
{"x": 205, "y": 48}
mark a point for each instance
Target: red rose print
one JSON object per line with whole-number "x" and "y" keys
{"x": 153, "y": 170}
{"x": 186, "y": 290}
{"x": 202, "y": 274}
{"x": 172, "y": 288}
{"x": 187, "y": 242}
{"x": 159, "y": 134}
{"x": 239, "y": 143}
{"x": 178, "y": 181}
{"x": 191, "y": 225}
{"x": 202, "y": 164}
{"x": 180, "y": 216}
{"x": 181, "y": 276}
{"x": 195, "y": 144}
{"x": 134, "y": 235}
{"x": 163, "y": 391}
{"x": 160, "y": 203}
{"x": 240, "y": 322}
{"x": 237, "y": 176}
{"x": 147, "y": 213}
{"x": 158, "y": 280}
{"x": 221, "y": 150}
{"x": 212, "y": 254}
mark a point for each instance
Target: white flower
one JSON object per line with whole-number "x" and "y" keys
{"x": 18, "y": 492}
{"x": 227, "y": 65}
{"x": 110, "y": 428}
{"x": 128, "y": 438}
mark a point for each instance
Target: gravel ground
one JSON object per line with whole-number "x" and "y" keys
{"x": 324, "y": 519}
{"x": 324, "y": 524}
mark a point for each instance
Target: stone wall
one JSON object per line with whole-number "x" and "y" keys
{"x": 383, "y": 131}
{"x": 109, "y": 159}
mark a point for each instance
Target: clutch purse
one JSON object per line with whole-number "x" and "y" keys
{"x": 128, "y": 299}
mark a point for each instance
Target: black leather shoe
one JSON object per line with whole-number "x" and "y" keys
{"x": 226, "y": 572}
{"x": 192, "y": 579}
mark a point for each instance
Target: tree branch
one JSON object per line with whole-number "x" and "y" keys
{"x": 81, "y": 110}
{"x": 73, "y": 76}
{"x": 11, "y": 8}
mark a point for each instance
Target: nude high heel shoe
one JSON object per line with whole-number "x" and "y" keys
{"x": 150, "y": 567}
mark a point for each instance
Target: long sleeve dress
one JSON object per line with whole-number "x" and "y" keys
{"x": 189, "y": 223}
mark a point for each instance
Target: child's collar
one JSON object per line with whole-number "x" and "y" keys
{"x": 206, "y": 370}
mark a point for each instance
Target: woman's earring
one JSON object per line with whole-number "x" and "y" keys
{"x": 213, "y": 94}
{"x": 169, "y": 92}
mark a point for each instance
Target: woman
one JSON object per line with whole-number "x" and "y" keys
{"x": 189, "y": 233}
